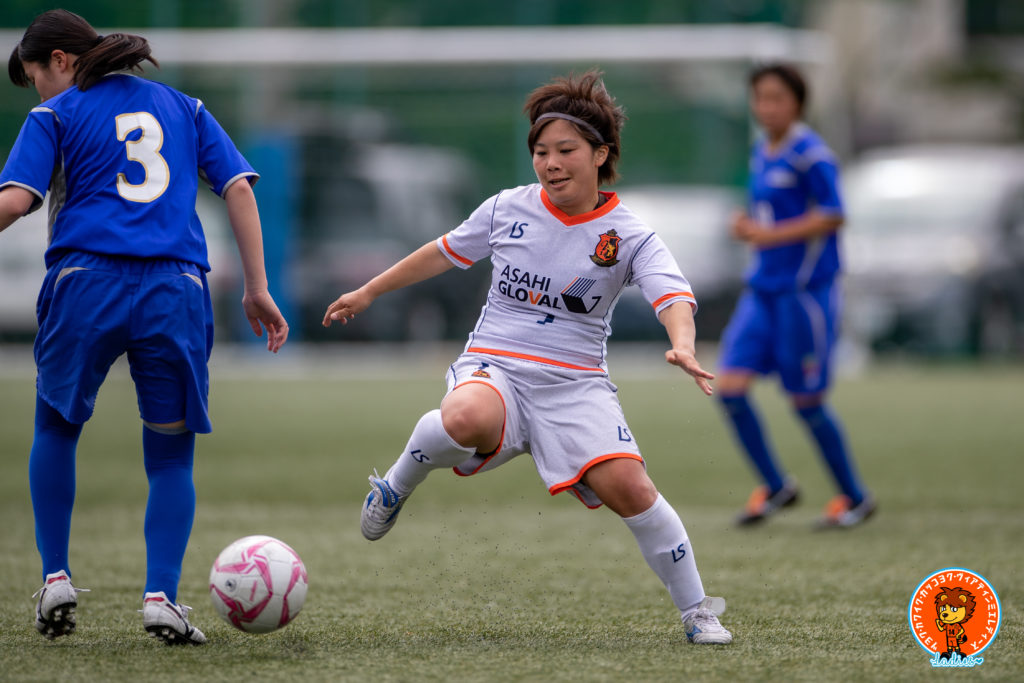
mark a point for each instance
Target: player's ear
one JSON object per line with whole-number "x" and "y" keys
{"x": 59, "y": 58}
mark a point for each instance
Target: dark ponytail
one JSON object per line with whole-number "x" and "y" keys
{"x": 97, "y": 55}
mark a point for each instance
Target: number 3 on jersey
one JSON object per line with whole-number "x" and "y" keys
{"x": 146, "y": 151}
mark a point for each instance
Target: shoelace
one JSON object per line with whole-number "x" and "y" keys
{"x": 183, "y": 610}
{"x": 388, "y": 495}
{"x": 77, "y": 591}
{"x": 704, "y": 617}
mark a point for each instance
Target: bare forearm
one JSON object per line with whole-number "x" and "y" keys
{"x": 679, "y": 323}
{"x": 14, "y": 203}
{"x": 809, "y": 226}
{"x": 244, "y": 217}
{"x": 422, "y": 264}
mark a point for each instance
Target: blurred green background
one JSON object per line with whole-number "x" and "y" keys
{"x": 363, "y": 162}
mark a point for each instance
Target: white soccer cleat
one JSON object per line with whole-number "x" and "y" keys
{"x": 702, "y": 626}
{"x": 55, "y": 610}
{"x": 380, "y": 511}
{"x": 169, "y": 622}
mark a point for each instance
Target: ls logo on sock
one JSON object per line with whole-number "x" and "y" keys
{"x": 418, "y": 455}
{"x": 679, "y": 552}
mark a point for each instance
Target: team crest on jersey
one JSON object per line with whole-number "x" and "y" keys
{"x": 607, "y": 249}
{"x": 482, "y": 372}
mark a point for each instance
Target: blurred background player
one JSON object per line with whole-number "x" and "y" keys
{"x": 533, "y": 376}
{"x": 126, "y": 273}
{"x": 786, "y": 321}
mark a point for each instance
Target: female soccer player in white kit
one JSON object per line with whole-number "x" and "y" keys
{"x": 533, "y": 376}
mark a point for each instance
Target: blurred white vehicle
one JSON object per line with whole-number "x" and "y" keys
{"x": 365, "y": 207}
{"x": 934, "y": 249}
{"x": 21, "y": 275}
{"x": 693, "y": 221}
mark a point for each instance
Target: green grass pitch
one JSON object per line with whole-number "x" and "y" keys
{"x": 491, "y": 579}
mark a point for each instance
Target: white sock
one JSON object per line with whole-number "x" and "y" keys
{"x": 663, "y": 542}
{"x": 429, "y": 448}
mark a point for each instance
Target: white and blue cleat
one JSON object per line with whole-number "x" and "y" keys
{"x": 380, "y": 511}
{"x": 702, "y": 625}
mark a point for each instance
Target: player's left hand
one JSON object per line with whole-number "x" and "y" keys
{"x": 260, "y": 309}
{"x": 687, "y": 361}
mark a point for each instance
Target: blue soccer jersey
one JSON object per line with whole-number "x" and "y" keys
{"x": 120, "y": 161}
{"x": 785, "y": 184}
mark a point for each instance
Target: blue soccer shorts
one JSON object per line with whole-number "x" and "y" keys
{"x": 791, "y": 333}
{"x": 94, "y": 308}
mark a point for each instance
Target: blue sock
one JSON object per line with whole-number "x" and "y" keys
{"x": 170, "y": 509}
{"x": 825, "y": 428}
{"x": 51, "y": 479}
{"x": 748, "y": 430}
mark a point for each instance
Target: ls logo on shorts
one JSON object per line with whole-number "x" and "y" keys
{"x": 954, "y": 615}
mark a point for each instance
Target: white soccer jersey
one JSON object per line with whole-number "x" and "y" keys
{"x": 555, "y": 278}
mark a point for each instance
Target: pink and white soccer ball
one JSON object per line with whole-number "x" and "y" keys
{"x": 258, "y": 584}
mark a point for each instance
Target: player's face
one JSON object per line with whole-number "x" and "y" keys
{"x": 774, "y": 105}
{"x": 50, "y": 79}
{"x": 566, "y": 166}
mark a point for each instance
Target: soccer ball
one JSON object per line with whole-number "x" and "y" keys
{"x": 258, "y": 584}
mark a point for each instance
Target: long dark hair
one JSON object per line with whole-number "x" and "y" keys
{"x": 583, "y": 97}
{"x": 97, "y": 55}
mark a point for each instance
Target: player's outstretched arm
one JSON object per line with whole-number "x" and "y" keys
{"x": 809, "y": 226}
{"x": 678, "y": 322}
{"x": 422, "y": 264}
{"x": 259, "y": 306}
{"x": 14, "y": 203}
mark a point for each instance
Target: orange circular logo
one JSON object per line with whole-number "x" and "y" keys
{"x": 954, "y": 614}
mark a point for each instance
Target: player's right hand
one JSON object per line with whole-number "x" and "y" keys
{"x": 346, "y": 306}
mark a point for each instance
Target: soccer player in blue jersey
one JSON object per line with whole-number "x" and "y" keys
{"x": 787, "y": 319}
{"x": 126, "y": 274}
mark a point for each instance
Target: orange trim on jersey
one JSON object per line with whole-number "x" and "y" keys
{"x": 536, "y": 359}
{"x": 501, "y": 441}
{"x": 566, "y": 219}
{"x": 686, "y": 295}
{"x": 452, "y": 253}
{"x": 566, "y": 485}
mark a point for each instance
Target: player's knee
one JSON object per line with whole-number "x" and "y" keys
{"x": 640, "y": 495}
{"x": 170, "y": 428}
{"x": 50, "y": 420}
{"x": 464, "y": 422}
{"x": 622, "y": 485}
{"x": 806, "y": 401}
{"x": 473, "y": 417}
{"x": 730, "y": 384}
